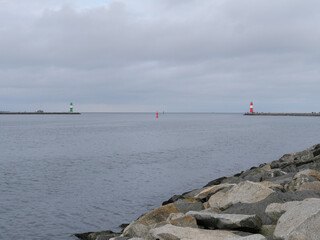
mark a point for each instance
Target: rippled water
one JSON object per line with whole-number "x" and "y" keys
{"x": 61, "y": 175}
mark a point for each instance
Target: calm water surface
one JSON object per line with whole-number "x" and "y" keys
{"x": 61, "y": 175}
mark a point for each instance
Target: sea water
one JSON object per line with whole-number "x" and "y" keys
{"x": 66, "y": 174}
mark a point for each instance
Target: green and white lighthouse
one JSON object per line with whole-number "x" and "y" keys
{"x": 71, "y": 107}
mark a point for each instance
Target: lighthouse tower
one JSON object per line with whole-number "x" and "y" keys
{"x": 251, "y": 107}
{"x": 71, "y": 107}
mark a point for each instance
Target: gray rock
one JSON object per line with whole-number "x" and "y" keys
{"x": 120, "y": 238}
{"x": 315, "y": 164}
{"x": 136, "y": 229}
{"x": 233, "y": 180}
{"x": 282, "y": 180}
{"x": 297, "y": 196}
{"x": 192, "y": 193}
{"x": 259, "y": 208}
{"x": 310, "y": 186}
{"x": 244, "y": 192}
{"x": 250, "y": 223}
{"x": 251, "y": 237}
{"x": 297, "y": 159}
{"x": 168, "y": 232}
{"x": 104, "y": 235}
{"x": 300, "y": 222}
{"x": 275, "y": 210}
{"x": 125, "y": 238}
{"x": 216, "y": 182}
{"x": 186, "y": 195}
{"x": 172, "y": 199}
{"x": 166, "y": 236}
{"x": 212, "y": 190}
{"x": 302, "y": 177}
{"x": 261, "y": 174}
{"x": 186, "y": 205}
{"x": 182, "y": 220}
{"x": 267, "y": 231}
{"x": 141, "y": 227}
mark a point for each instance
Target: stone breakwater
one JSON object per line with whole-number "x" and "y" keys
{"x": 279, "y": 200}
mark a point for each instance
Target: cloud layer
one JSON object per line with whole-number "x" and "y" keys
{"x": 141, "y": 55}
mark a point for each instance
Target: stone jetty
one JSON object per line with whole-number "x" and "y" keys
{"x": 279, "y": 200}
{"x": 39, "y": 113}
{"x": 313, "y": 114}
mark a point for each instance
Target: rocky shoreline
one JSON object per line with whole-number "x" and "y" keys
{"x": 279, "y": 200}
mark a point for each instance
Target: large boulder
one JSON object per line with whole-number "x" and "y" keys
{"x": 297, "y": 159}
{"x": 283, "y": 179}
{"x": 173, "y": 199}
{"x": 302, "y": 177}
{"x": 142, "y": 226}
{"x": 169, "y": 232}
{"x": 309, "y": 172}
{"x": 186, "y": 205}
{"x": 310, "y": 186}
{"x": 192, "y": 194}
{"x": 212, "y": 190}
{"x": 250, "y": 223}
{"x": 314, "y": 164}
{"x": 300, "y": 222}
{"x": 251, "y": 237}
{"x": 104, "y": 235}
{"x": 136, "y": 229}
{"x": 275, "y": 210}
{"x": 216, "y": 181}
{"x": 124, "y": 238}
{"x": 259, "y": 208}
{"x": 261, "y": 174}
{"x": 244, "y": 192}
{"x": 182, "y": 220}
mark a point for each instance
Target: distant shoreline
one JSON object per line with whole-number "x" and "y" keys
{"x": 38, "y": 113}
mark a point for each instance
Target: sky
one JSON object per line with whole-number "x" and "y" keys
{"x": 160, "y": 55}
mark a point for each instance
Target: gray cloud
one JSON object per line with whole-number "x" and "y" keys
{"x": 141, "y": 55}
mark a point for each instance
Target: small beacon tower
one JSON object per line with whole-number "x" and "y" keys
{"x": 71, "y": 107}
{"x": 251, "y": 107}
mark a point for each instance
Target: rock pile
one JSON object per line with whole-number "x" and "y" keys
{"x": 275, "y": 201}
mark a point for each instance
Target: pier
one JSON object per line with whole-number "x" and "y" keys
{"x": 283, "y": 114}
{"x": 252, "y": 113}
{"x": 40, "y": 113}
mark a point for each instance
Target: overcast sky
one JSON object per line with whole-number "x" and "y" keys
{"x": 149, "y": 55}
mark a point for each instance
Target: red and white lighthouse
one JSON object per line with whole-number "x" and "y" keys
{"x": 251, "y": 107}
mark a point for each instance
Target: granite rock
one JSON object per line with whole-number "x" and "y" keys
{"x": 182, "y": 220}
{"x": 212, "y": 190}
{"x": 169, "y": 232}
{"x": 142, "y": 226}
{"x": 244, "y": 192}
{"x": 186, "y": 205}
{"x": 250, "y": 223}
{"x": 103, "y": 235}
{"x": 275, "y": 210}
{"x": 310, "y": 186}
{"x": 300, "y": 222}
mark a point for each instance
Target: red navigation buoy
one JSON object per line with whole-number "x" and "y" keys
{"x": 157, "y": 115}
{"x": 251, "y": 107}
